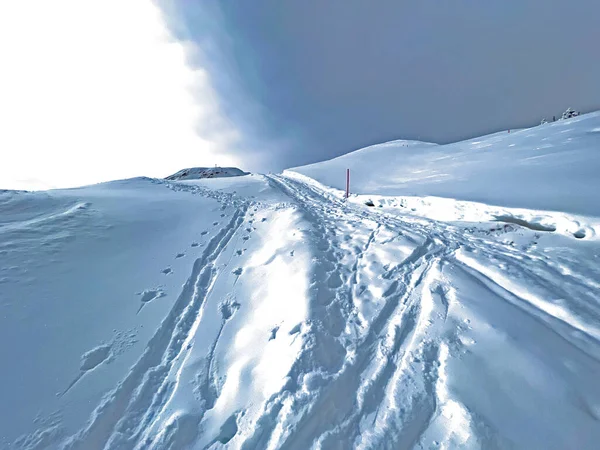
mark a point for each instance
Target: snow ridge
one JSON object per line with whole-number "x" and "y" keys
{"x": 124, "y": 415}
{"x": 196, "y": 173}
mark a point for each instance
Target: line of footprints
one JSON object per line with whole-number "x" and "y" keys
{"x": 121, "y": 341}
{"x": 149, "y": 295}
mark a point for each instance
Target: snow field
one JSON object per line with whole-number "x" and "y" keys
{"x": 450, "y": 303}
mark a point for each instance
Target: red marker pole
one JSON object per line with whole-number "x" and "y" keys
{"x": 347, "y": 183}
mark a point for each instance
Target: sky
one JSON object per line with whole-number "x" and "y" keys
{"x": 100, "y": 90}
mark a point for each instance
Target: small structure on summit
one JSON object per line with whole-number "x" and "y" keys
{"x": 196, "y": 173}
{"x": 569, "y": 113}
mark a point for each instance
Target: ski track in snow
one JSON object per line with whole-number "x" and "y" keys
{"x": 391, "y": 332}
{"x": 125, "y": 413}
{"x": 386, "y": 322}
{"x": 394, "y": 358}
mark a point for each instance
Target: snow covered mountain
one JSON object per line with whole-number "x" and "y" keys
{"x": 266, "y": 312}
{"x": 196, "y": 173}
{"x": 552, "y": 167}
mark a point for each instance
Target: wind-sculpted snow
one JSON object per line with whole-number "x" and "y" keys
{"x": 306, "y": 321}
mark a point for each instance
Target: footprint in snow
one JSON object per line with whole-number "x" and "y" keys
{"x": 228, "y": 308}
{"x": 179, "y": 255}
{"x": 237, "y": 272}
{"x": 89, "y": 361}
{"x": 103, "y": 354}
{"x": 245, "y": 238}
{"x": 264, "y": 219}
{"x": 167, "y": 271}
{"x": 239, "y": 252}
{"x": 203, "y": 233}
{"x": 149, "y": 295}
{"x": 296, "y": 329}
{"x": 194, "y": 244}
{"x": 215, "y": 223}
{"x": 334, "y": 281}
{"x": 95, "y": 357}
{"x": 228, "y": 430}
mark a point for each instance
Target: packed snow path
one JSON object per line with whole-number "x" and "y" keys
{"x": 310, "y": 322}
{"x": 423, "y": 334}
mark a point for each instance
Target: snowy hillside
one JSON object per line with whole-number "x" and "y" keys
{"x": 553, "y": 167}
{"x": 195, "y": 173}
{"x": 265, "y": 312}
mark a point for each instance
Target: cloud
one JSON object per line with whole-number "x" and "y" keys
{"x": 334, "y": 76}
{"x": 217, "y": 47}
{"x": 94, "y": 91}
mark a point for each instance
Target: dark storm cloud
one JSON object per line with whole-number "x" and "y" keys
{"x": 312, "y": 79}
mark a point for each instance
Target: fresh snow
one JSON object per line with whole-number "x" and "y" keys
{"x": 550, "y": 167}
{"x": 268, "y": 312}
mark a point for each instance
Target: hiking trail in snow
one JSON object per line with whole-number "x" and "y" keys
{"x": 312, "y": 322}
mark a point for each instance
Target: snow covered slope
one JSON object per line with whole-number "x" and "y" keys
{"x": 86, "y": 277}
{"x": 102, "y": 290}
{"x": 195, "y": 173}
{"x": 550, "y": 167}
{"x": 264, "y": 312}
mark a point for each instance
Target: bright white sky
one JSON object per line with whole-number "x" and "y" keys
{"x": 99, "y": 90}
